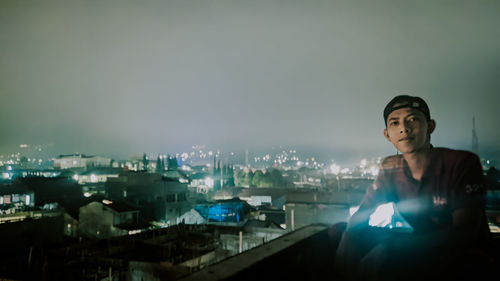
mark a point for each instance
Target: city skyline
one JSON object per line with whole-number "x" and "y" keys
{"x": 122, "y": 78}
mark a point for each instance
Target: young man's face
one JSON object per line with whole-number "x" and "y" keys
{"x": 409, "y": 130}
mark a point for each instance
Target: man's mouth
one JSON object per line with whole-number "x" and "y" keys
{"x": 406, "y": 139}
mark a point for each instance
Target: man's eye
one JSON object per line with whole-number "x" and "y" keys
{"x": 395, "y": 123}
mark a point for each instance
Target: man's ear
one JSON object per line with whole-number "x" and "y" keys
{"x": 386, "y": 135}
{"x": 431, "y": 126}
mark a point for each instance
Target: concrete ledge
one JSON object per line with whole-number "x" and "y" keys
{"x": 249, "y": 260}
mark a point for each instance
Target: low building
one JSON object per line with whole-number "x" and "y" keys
{"x": 158, "y": 197}
{"x": 80, "y": 161}
{"x": 15, "y": 197}
{"x": 107, "y": 219}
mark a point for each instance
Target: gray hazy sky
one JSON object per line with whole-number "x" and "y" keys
{"x": 132, "y": 76}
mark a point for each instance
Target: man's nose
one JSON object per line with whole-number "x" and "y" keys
{"x": 404, "y": 128}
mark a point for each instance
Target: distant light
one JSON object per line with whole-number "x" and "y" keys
{"x": 353, "y": 210}
{"x": 209, "y": 182}
{"x": 183, "y": 180}
{"x": 335, "y": 169}
{"x": 23, "y": 145}
{"x": 9, "y": 168}
{"x": 28, "y": 201}
{"x": 382, "y": 216}
{"x": 87, "y": 194}
{"x": 93, "y": 178}
{"x": 75, "y": 177}
{"x": 494, "y": 228}
{"x": 374, "y": 170}
{"x": 107, "y": 202}
{"x": 5, "y": 176}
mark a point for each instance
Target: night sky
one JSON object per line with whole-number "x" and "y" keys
{"x": 123, "y": 77}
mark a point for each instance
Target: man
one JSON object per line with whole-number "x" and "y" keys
{"x": 438, "y": 191}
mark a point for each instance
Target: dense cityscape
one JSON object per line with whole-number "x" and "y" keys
{"x": 238, "y": 202}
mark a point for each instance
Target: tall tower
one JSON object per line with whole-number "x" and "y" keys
{"x": 246, "y": 157}
{"x": 475, "y": 144}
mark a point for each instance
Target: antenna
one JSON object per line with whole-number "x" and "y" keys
{"x": 475, "y": 144}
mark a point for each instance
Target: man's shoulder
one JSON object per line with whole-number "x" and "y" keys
{"x": 451, "y": 156}
{"x": 392, "y": 162}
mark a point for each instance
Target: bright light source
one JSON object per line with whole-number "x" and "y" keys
{"x": 75, "y": 177}
{"x": 87, "y": 194}
{"x": 107, "y": 202}
{"x": 9, "y": 168}
{"x": 382, "y": 216}
{"x": 374, "y": 170}
{"x": 353, "y": 210}
{"x": 335, "y": 169}
{"x": 93, "y": 178}
{"x": 209, "y": 182}
{"x": 28, "y": 200}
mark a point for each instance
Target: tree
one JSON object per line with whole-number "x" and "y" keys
{"x": 257, "y": 178}
{"x": 145, "y": 161}
{"x": 239, "y": 176}
{"x": 277, "y": 178}
{"x": 247, "y": 180}
{"x": 172, "y": 163}
{"x": 160, "y": 165}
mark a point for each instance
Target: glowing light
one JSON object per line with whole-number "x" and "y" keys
{"x": 75, "y": 177}
{"x": 353, "y": 210}
{"x": 374, "y": 170}
{"x": 87, "y": 194}
{"x": 93, "y": 178}
{"x": 9, "y": 168}
{"x": 209, "y": 182}
{"x": 5, "y": 176}
{"x": 387, "y": 215}
{"x": 28, "y": 200}
{"x": 335, "y": 169}
{"x": 382, "y": 216}
{"x": 345, "y": 171}
{"x": 107, "y": 202}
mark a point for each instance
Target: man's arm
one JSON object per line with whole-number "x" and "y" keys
{"x": 357, "y": 239}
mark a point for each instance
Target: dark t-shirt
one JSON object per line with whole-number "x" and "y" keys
{"x": 453, "y": 180}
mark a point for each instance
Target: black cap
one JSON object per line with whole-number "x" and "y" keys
{"x": 403, "y": 101}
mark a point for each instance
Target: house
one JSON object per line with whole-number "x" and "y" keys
{"x": 107, "y": 219}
